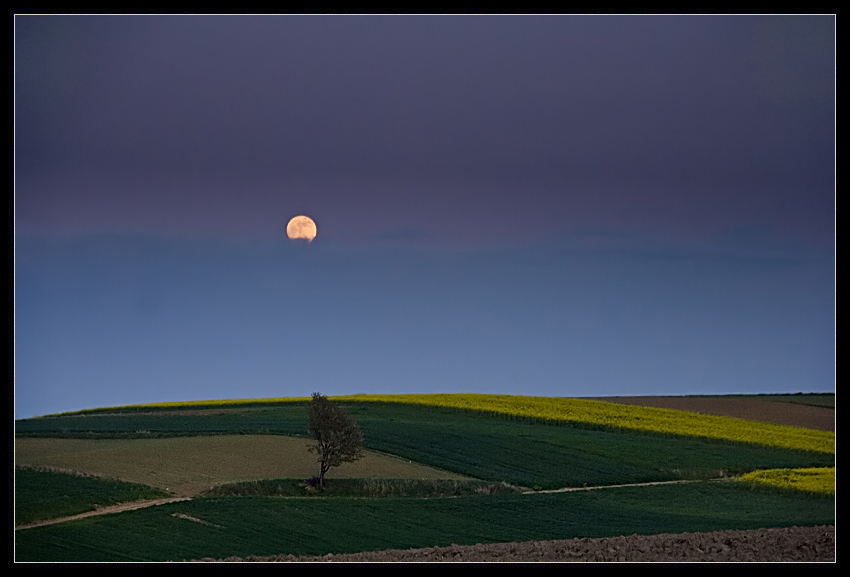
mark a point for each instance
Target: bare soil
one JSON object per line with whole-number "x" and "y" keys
{"x": 759, "y": 545}
{"x": 793, "y": 414}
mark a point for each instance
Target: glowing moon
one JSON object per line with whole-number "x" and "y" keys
{"x": 301, "y": 227}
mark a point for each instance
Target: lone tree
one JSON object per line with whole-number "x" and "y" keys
{"x": 338, "y": 439}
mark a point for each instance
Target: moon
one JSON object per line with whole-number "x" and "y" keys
{"x": 301, "y": 227}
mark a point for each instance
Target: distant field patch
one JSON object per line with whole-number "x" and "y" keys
{"x": 194, "y": 406}
{"x": 776, "y": 409}
{"x": 46, "y": 494}
{"x": 814, "y": 480}
{"x": 814, "y": 399}
{"x": 187, "y": 465}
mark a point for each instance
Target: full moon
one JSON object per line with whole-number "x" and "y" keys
{"x": 301, "y": 227}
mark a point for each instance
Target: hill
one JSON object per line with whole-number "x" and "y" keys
{"x": 523, "y": 441}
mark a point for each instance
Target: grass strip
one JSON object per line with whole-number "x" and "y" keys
{"x": 371, "y": 488}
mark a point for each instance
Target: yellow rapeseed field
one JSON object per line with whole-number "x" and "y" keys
{"x": 634, "y": 417}
{"x": 815, "y": 480}
{"x": 625, "y": 416}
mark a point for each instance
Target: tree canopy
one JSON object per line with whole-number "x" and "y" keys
{"x": 338, "y": 438}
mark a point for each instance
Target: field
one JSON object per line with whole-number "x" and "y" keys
{"x": 190, "y": 448}
{"x": 527, "y": 452}
{"x": 814, "y": 480}
{"x": 242, "y": 526}
{"x": 48, "y": 494}
{"x": 777, "y": 544}
{"x": 188, "y": 465}
{"x": 812, "y": 399}
{"x": 763, "y": 408}
{"x": 551, "y": 409}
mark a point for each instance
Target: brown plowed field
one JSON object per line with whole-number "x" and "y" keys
{"x": 781, "y": 544}
{"x": 778, "y": 413}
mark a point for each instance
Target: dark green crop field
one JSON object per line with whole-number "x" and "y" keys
{"x": 243, "y": 526}
{"x": 489, "y": 448}
{"x": 284, "y": 418}
{"x": 47, "y": 495}
{"x": 526, "y": 452}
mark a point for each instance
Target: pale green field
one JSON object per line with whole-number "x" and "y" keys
{"x": 813, "y": 480}
{"x": 188, "y": 465}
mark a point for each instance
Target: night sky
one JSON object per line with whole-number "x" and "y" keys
{"x": 536, "y": 205}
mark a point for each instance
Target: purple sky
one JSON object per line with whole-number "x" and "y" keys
{"x": 560, "y": 205}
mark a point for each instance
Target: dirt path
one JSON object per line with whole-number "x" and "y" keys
{"x": 105, "y": 511}
{"x": 567, "y": 489}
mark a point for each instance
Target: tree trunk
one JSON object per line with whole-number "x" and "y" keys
{"x": 322, "y": 470}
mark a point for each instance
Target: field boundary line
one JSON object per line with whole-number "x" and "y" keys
{"x": 568, "y": 489}
{"x": 120, "y": 508}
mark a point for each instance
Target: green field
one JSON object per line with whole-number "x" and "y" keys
{"x": 243, "y": 526}
{"x": 46, "y": 495}
{"x": 520, "y": 451}
{"x": 574, "y": 412}
{"x": 198, "y": 449}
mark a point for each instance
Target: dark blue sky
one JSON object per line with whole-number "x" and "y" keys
{"x": 553, "y": 205}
